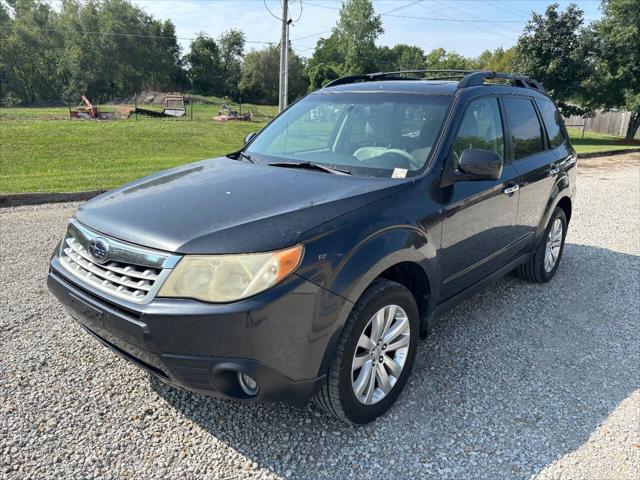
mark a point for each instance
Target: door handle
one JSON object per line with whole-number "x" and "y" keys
{"x": 554, "y": 171}
{"x": 511, "y": 190}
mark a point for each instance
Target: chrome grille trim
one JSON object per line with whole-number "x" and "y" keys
{"x": 131, "y": 273}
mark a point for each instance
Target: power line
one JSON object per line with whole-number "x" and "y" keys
{"x": 475, "y": 26}
{"x": 440, "y": 19}
{"x": 435, "y": 19}
{"x": 117, "y": 34}
{"x": 311, "y": 35}
{"x": 401, "y": 8}
{"x": 299, "y": 15}
{"x": 270, "y": 12}
{"x": 390, "y": 13}
{"x": 448, "y": 5}
{"x": 508, "y": 8}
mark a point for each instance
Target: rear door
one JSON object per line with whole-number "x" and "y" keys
{"x": 557, "y": 136}
{"x": 479, "y": 216}
{"x": 534, "y": 161}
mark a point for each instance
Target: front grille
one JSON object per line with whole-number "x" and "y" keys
{"x": 129, "y": 272}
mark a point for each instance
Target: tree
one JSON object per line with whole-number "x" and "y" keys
{"x": 29, "y": 51}
{"x": 614, "y": 81}
{"x": 204, "y": 65}
{"x": 260, "y": 76}
{"x": 357, "y": 30}
{"x": 319, "y": 75}
{"x": 298, "y": 83}
{"x": 439, "y": 58}
{"x": 167, "y": 67}
{"x": 231, "y": 45}
{"x": 549, "y": 51}
{"x": 400, "y": 57}
{"x": 498, "y": 60}
{"x": 327, "y": 52}
{"x": 61, "y": 53}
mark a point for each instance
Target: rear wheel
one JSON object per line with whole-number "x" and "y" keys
{"x": 544, "y": 264}
{"x": 375, "y": 355}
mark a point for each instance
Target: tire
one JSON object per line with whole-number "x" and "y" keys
{"x": 534, "y": 270}
{"x": 337, "y": 396}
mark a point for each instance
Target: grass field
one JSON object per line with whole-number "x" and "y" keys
{"x": 597, "y": 142}
{"x": 42, "y": 151}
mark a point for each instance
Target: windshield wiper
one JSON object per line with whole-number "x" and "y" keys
{"x": 241, "y": 156}
{"x": 311, "y": 166}
{"x": 246, "y": 156}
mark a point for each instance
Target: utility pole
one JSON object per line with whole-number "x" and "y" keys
{"x": 284, "y": 57}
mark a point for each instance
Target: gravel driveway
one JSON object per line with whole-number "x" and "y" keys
{"x": 521, "y": 380}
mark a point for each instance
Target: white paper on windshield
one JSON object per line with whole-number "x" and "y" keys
{"x": 399, "y": 173}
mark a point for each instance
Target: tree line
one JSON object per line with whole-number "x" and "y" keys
{"x": 109, "y": 49}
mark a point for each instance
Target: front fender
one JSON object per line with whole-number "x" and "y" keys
{"x": 377, "y": 253}
{"x": 346, "y": 262}
{"x": 347, "y": 270}
{"x": 346, "y": 254}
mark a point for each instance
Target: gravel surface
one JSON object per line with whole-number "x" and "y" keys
{"x": 519, "y": 381}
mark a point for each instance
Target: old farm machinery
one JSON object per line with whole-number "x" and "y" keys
{"x": 87, "y": 110}
{"x": 173, "y": 107}
{"x": 227, "y": 114}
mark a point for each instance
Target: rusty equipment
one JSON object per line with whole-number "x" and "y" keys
{"x": 86, "y": 110}
{"x": 173, "y": 107}
{"x": 227, "y": 114}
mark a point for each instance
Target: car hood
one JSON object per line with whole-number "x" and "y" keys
{"x": 227, "y": 206}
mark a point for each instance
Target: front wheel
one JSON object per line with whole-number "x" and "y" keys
{"x": 544, "y": 264}
{"x": 375, "y": 355}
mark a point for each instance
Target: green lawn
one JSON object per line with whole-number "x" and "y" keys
{"x": 41, "y": 150}
{"x": 597, "y": 142}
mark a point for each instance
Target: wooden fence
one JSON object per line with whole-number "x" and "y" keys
{"x": 610, "y": 123}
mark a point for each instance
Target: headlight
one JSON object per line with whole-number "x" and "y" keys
{"x": 226, "y": 278}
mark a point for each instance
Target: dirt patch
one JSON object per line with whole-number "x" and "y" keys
{"x": 610, "y": 161}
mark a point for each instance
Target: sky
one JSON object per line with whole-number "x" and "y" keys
{"x": 465, "y": 26}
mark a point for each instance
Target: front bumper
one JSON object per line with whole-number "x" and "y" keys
{"x": 279, "y": 337}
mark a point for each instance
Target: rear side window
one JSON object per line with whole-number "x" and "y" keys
{"x": 481, "y": 127}
{"x": 552, "y": 122}
{"x": 526, "y": 133}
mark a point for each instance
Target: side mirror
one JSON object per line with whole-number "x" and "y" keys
{"x": 477, "y": 164}
{"x": 249, "y": 137}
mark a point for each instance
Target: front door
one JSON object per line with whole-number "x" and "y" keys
{"x": 478, "y": 234}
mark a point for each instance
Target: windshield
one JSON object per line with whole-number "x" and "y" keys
{"x": 370, "y": 134}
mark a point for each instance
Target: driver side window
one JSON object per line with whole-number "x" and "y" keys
{"x": 481, "y": 127}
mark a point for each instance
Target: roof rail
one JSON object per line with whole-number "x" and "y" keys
{"x": 466, "y": 78}
{"x": 478, "y": 78}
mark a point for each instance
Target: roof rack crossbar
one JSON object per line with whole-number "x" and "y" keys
{"x": 478, "y": 78}
{"x": 467, "y": 78}
{"x": 368, "y": 77}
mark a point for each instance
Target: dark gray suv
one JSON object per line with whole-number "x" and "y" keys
{"x": 308, "y": 264}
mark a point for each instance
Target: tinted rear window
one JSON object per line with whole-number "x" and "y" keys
{"x": 526, "y": 133}
{"x": 552, "y": 122}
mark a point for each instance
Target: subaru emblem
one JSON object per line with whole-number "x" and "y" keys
{"x": 99, "y": 250}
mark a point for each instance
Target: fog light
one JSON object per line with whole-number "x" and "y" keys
{"x": 248, "y": 384}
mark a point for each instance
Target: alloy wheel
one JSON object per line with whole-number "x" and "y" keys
{"x": 381, "y": 354}
{"x": 554, "y": 242}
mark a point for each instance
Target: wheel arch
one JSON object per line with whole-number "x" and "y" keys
{"x": 560, "y": 197}
{"x": 566, "y": 205}
{"x": 412, "y": 276}
{"x": 401, "y": 254}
